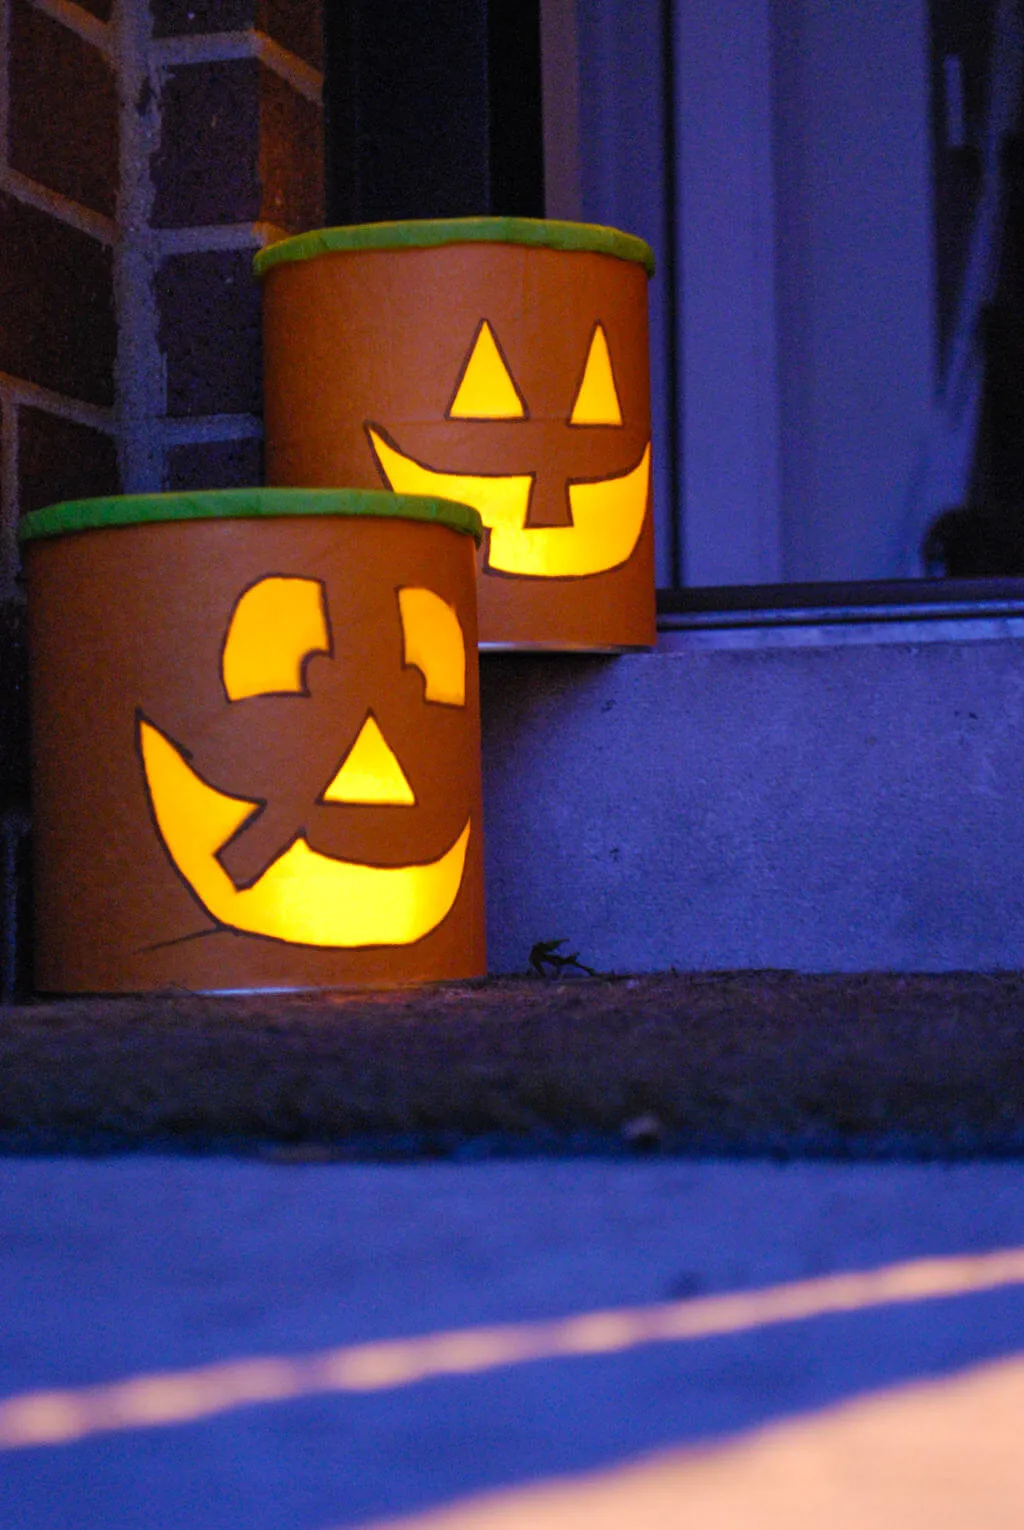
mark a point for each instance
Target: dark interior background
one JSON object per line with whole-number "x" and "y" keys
{"x": 433, "y": 111}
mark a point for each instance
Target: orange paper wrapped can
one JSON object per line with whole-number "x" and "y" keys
{"x": 501, "y": 362}
{"x": 255, "y": 741}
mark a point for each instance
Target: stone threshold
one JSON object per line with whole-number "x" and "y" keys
{"x": 827, "y": 615}
{"x": 868, "y": 1065}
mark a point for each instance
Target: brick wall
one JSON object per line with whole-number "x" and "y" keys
{"x": 237, "y": 160}
{"x": 146, "y": 151}
{"x": 58, "y": 200}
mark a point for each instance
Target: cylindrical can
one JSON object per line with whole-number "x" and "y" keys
{"x": 501, "y": 362}
{"x": 255, "y": 741}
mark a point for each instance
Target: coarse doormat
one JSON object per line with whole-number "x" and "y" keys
{"x": 865, "y": 1065}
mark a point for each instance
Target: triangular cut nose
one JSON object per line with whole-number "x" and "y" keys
{"x": 370, "y": 772}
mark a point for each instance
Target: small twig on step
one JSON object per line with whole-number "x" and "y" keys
{"x": 547, "y": 961}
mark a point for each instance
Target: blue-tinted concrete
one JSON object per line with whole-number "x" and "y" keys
{"x": 831, "y": 807}
{"x": 134, "y": 1268}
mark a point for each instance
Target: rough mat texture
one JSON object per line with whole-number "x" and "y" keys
{"x": 752, "y": 1062}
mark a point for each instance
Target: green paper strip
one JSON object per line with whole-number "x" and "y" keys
{"x": 541, "y": 233}
{"x": 228, "y": 504}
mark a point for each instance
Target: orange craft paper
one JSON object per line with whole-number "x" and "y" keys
{"x": 286, "y": 838}
{"x": 428, "y": 369}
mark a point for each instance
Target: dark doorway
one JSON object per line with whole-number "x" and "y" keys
{"x": 433, "y": 110}
{"x": 961, "y": 56}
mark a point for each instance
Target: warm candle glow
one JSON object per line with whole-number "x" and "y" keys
{"x": 55, "y": 1417}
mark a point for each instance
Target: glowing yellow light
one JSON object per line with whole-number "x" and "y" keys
{"x": 213, "y": 816}
{"x": 370, "y": 772}
{"x": 608, "y": 515}
{"x": 45, "y": 1418}
{"x": 486, "y": 390}
{"x": 303, "y": 897}
{"x": 434, "y": 644}
{"x": 173, "y": 1397}
{"x": 370, "y": 1368}
{"x": 939, "y": 1452}
{"x": 274, "y": 628}
{"x": 38, "y": 1418}
{"x": 597, "y": 402}
{"x": 599, "y": 1333}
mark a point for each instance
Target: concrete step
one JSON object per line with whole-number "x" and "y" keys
{"x": 827, "y": 798}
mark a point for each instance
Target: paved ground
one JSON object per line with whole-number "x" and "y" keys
{"x": 224, "y": 1345}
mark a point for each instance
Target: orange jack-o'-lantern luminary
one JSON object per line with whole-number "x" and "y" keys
{"x": 501, "y": 362}
{"x": 256, "y": 745}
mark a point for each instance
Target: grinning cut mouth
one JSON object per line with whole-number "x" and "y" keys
{"x": 303, "y": 897}
{"x": 607, "y": 515}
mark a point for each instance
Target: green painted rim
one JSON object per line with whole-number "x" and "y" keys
{"x": 541, "y": 233}
{"x": 240, "y": 504}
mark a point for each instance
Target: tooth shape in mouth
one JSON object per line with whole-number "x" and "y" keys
{"x": 303, "y": 897}
{"x": 608, "y": 515}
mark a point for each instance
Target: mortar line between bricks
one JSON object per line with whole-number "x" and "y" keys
{"x": 82, "y": 413}
{"x": 216, "y": 236}
{"x": 211, "y": 427}
{"x": 141, "y": 388}
{"x": 303, "y": 78}
{"x": 61, "y": 207}
{"x": 5, "y": 88}
{"x": 89, "y": 28}
{"x": 223, "y": 47}
{"x": 9, "y": 560}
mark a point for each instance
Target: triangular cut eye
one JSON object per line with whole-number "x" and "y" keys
{"x": 370, "y": 772}
{"x": 597, "y": 402}
{"x": 486, "y": 390}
